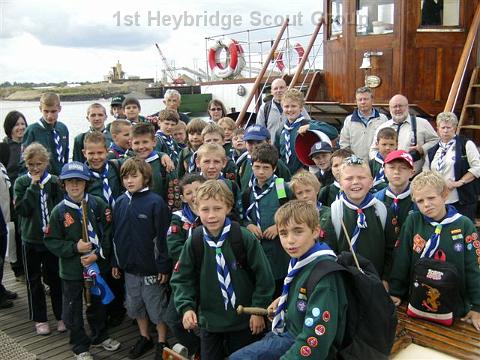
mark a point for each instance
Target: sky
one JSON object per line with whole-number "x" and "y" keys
{"x": 72, "y": 40}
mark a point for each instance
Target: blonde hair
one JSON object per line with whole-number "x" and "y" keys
{"x": 227, "y": 121}
{"x": 168, "y": 115}
{"x": 355, "y": 163}
{"x": 305, "y": 178}
{"x": 295, "y": 96}
{"x": 36, "y": 150}
{"x": 213, "y": 128}
{"x": 95, "y": 137}
{"x": 50, "y": 99}
{"x": 97, "y": 106}
{"x": 215, "y": 189}
{"x": 298, "y": 211}
{"x": 116, "y": 126}
{"x": 211, "y": 149}
{"x": 447, "y": 117}
{"x": 428, "y": 179}
{"x": 181, "y": 125}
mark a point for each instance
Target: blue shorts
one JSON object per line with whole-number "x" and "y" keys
{"x": 271, "y": 347}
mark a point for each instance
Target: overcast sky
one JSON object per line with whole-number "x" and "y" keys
{"x": 52, "y": 40}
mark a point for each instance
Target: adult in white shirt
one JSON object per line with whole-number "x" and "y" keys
{"x": 414, "y": 134}
{"x": 360, "y": 127}
{"x": 458, "y": 160}
{"x": 270, "y": 113}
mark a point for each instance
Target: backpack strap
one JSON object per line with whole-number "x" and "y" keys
{"x": 321, "y": 269}
{"x": 414, "y": 128}
{"x": 281, "y": 192}
{"x": 266, "y": 111}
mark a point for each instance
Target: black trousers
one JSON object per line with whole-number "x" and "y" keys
{"x": 3, "y": 250}
{"x": 214, "y": 345}
{"x": 116, "y": 308}
{"x": 189, "y": 339}
{"x": 73, "y": 317}
{"x": 18, "y": 266}
{"x": 39, "y": 262}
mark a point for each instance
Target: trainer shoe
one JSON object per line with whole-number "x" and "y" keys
{"x": 61, "y": 326}
{"x": 10, "y": 295}
{"x": 141, "y": 347}
{"x": 42, "y": 328}
{"x": 159, "y": 350}
{"x": 108, "y": 344}
{"x": 180, "y": 349}
{"x": 5, "y": 303}
{"x": 84, "y": 356}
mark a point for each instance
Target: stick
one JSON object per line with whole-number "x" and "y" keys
{"x": 254, "y": 311}
{"x": 87, "y": 281}
{"x": 351, "y": 247}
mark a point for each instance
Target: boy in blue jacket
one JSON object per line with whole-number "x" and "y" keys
{"x": 141, "y": 220}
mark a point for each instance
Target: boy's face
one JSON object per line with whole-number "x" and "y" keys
{"x": 96, "y": 117}
{"x": 143, "y": 145}
{"x": 167, "y": 126}
{"x": 180, "y": 135}
{"x": 306, "y": 192}
{"x": 211, "y": 165}
{"x": 195, "y": 140}
{"x": 227, "y": 131}
{"x": 123, "y": 138}
{"x": 250, "y": 144}
{"x": 96, "y": 155}
{"x": 75, "y": 189}
{"x": 262, "y": 171}
{"x": 386, "y": 146}
{"x": 133, "y": 182}
{"x": 297, "y": 239}
{"x": 356, "y": 182}
{"x": 322, "y": 160}
{"x": 238, "y": 143}
{"x": 213, "y": 138}
{"x": 189, "y": 193}
{"x": 36, "y": 166}
{"x": 291, "y": 109}
{"x": 336, "y": 163}
{"x": 172, "y": 102}
{"x": 117, "y": 111}
{"x": 50, "y": 113}
{"x": 430, "y": 202}
{"x": 131, "y": 111}
{"x": 212, "y": 213}
{"x": 398, "y": 173}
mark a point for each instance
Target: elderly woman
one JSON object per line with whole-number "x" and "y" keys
{"x": 216, "y": 110}
{"x": 458, "y": 160}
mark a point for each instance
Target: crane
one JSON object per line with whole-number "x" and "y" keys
{"x": 171, "y": 72}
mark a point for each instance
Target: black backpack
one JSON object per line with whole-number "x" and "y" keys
{"x": 371, "y": 315}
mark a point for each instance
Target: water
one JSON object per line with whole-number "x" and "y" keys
{"x": 73, "y": 113}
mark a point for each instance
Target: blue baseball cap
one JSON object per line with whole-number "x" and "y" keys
{"x": 256, "y": 132}
{"x": 320, "y": 147}
{"x": 75, "y": 170}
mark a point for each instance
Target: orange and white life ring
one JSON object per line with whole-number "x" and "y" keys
{"x": 298, "y": 48}
{"x": 235, "y": 60}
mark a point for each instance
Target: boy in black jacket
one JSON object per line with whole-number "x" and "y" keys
{"x": 141, "y": 220}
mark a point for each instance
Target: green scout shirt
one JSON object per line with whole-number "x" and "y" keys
{"x": 245, "y": 173}
{"x": 42, "y": 133}
{"x": 318, "y": 322}
{"x": 177, "y": 234}
{"x": 328, "y": 194}
{"x": 78, "y": 143}
{"x": 183, "y": 161}
{"x": 163, "y": 147}
{"x": 375, "y": 168}
{"x": 27, "y": 206}
{"x": 405, "y": 207}
{"x": 374, "y": 242}
{"x": 327, "y": 231}
{"x": 211, "y": 313}
{"x": 95, "y": 185}
{"x": 65, "y": 230}
{"x": 112, "y": 154}
{"x": 268, "y": 205}
{"x": 460, "y": 243}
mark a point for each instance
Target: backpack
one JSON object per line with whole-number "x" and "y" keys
{"x": 434, "y": 291}
{"x": 281, "y": 194}
{"x": 371, "y": 315}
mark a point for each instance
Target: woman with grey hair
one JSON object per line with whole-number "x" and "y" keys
{"x": 457, "y": 159}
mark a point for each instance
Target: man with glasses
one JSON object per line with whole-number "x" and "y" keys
{"x": 415, "y": 134}
{"x": 270, "y": 113}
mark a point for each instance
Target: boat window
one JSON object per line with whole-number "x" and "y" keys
{"x": 336, "y": 18}
{"x": 375, "y": 17}
{"x": 435, "y": 13}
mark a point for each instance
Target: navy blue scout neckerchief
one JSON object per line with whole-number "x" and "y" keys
{"x": 192, "y": 166}
{"x": 380, "y": 177}
{"x": 43, "y": 199}
{"x": 287, "y": 128}
{"x": 121, "y": 152}
{"x": 152, "y": 157}
{"x": 107, "y": 191}
{"x": 296, "y": 264}
{"x": 170, "y": 144}
{"x": 396, "y": 198}
{"x": 444, "y": 149}
{"x": 56, "y": 140}
{"x": 257, "y": 197}
{"x": 434, "y": 241}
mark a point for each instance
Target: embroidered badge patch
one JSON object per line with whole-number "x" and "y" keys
{"x": 457, "y": 237}
{"x": 186, "y": 226}
{"x": 320, "y": 330}
{"x": 458, "y": 247}
{"x": 418, "y": 243}
{"x": 67, "y": 219}
{"x": 301, "y": 305}
{"x": 326, "y": 316}
{"x": 316, "y": 312}
{"x": 476, "y": 244}
{"x": 308, "y": 322}
{"x": 456, "y": 231}
{"x": 305, "y": 351}
{"x": 312, "y": 341}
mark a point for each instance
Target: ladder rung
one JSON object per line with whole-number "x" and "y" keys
{"x": 471, "y": 127}
{"x": 473, "y": 106}
{"x": 476, "y": 85}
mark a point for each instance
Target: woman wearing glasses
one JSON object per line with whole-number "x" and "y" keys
{"x": 216, "y": 110}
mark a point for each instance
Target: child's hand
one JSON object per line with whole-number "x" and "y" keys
{"x": 303, "y": 129}
{"x": 86, "y": 260}
{"x": 84, "y": 247}
{"x": 473, "y": 318}
{"x": 162, "y": 278}
{"x": 255, "y": 230}
{"x": 386, "y": 286}
{"x": 35, "y": 179}
{"x": 257, "y": 324}
{"x": 272, "y": 308}
{"x": 397, "y": 301}
{"x": 116, "y": 273}
{"x": 271, "y": 232}
{"x": 167, "y": 163}
{"x": 190, "y": 320}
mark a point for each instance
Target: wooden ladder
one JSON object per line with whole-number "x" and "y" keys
{"x": 470, "y": 116}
